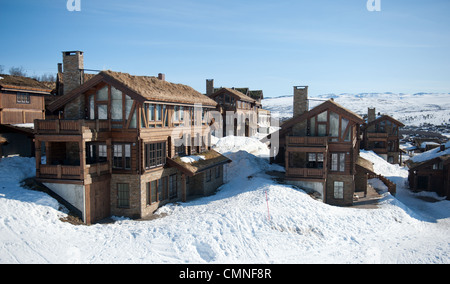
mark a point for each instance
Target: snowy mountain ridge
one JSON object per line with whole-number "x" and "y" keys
{"x": 412, "y": 109}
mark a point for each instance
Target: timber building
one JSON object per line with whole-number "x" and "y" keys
{"x": 119, "y": 148}
{"x": 319, "y": 149}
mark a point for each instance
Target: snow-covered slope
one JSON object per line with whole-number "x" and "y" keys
{"x": 411, "y": 109}
{"x": 232, "y": 226}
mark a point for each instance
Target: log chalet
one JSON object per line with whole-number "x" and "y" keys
{"x": 120, "y": 147}
{"x": 382, "y": 135}
{"x": 430, "y": 171}
{"x": 240, "y": 109}
{"x": 320, "y": 149}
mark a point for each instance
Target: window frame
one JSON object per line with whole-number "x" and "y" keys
{"x": 338, "y": 189}
{"x": 23, "y": 98}
{"x": 123, "y": 196}
{"x": 125, "y": 161}
{"x": 155, "y": 154}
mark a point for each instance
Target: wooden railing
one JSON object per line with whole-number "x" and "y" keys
{"x": 305, "y": 173}
{"x": 60, "y": 172}
{"x": 377, "y": 135}
{"x": 71, "y": 172}
{"x": 392, "y": 187}
{"x": 69, "y": 126}
{"x": 307, "y": 141}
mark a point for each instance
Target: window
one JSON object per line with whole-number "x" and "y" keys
{"x": 173, "y": 192}
{"x": 180, "y": 151}
{"x": 123, "y": 195}
{"x": 158, "y": 112}
{"x": 438, "y": 166}
{"x": 339, "y": 190}
{"x": 122, "y": 156}
{"x": 23, "y": 98}
{"x": 152, "y": 195}
{"x": 334, "y": 124}
{"x": 322, "y": 130}
{"x": 315, "y": 161}
{"x": 218, "y": 172}
{"x": 116, "y": 105}
{"x": 103, "y": 112}
{"x": 193, "y": 146}
{"x": 155, "y": 155}
{"x": 323, "y": 117}
{"x": 338, "y": 162}
{"x": 208, "y": 175}
{"x": 96, "y": 153}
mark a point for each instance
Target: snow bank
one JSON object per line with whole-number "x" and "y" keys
{"x": 382, "y": 167}
{"x": 232, "y": 226}
{"x": 236, "y": 143}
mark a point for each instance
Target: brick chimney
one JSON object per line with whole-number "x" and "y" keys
{"x": 209, "y": 87}
{"x": 301, "y": 105}
{"x": 73, "y": 74}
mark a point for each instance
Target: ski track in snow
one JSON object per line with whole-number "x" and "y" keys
{"x": 231, "y": 226}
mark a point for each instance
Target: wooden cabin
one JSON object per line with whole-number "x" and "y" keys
{"x": 382, "y": 135}
{"x": 430, "y": 171}
{"x": 240, "y": 110}
{"x": 118, "y": 150}
{"x": 22, "y": 99}
{"x": 320, "y": 147}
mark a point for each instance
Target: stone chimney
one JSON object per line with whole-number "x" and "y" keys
{"x": 209, "y": 87}
{"x": 162, "y": 77}
{"x": 73, "y": 65}
{"x": 301, "y": 105}
{"x": 73, "y": 77}
{"x": 371, "y": 115}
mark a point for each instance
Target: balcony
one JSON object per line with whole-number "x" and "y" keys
{"x": 305, "y": 173}
{"x": 307, "y": 141}
{"x": 70, "y": 127}
{"x": 61, "y": 172}
{"x": 373, "y": 135}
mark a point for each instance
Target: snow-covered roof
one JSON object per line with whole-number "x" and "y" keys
{"x": 425, "y": 144}
{"x": 432, "y": 154}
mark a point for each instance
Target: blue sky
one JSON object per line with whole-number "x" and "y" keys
{"x": 332, "y": 46}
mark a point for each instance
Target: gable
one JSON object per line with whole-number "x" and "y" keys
{"x": 384, "y": 118}
{"x": 326, "y": 106}
{"x": 234, "y": 93}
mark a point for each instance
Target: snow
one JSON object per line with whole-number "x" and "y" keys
{"x": 231, "y": 226}
{"x": 192, "y": 159}
{"x": 411, "y": 109}
{"x": 432, "y": 154}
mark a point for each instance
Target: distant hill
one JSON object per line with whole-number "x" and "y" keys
{"x": 411, "y": 109}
